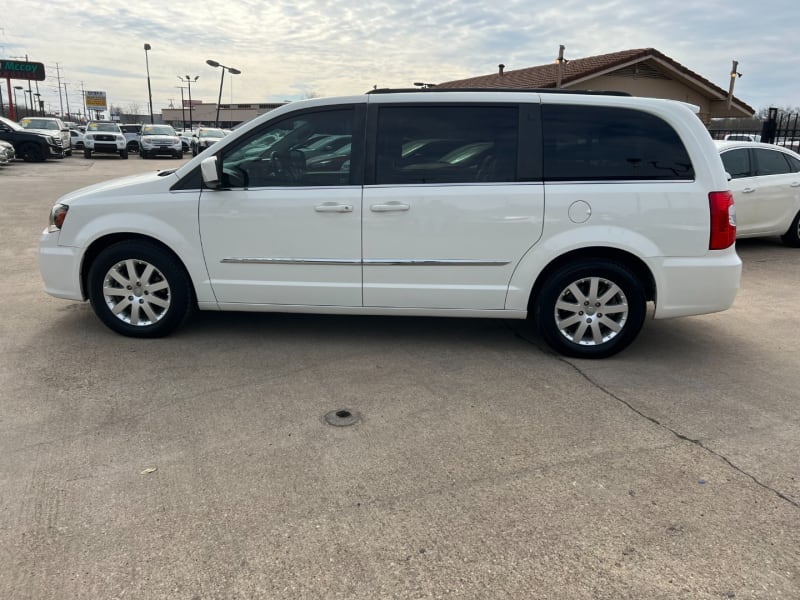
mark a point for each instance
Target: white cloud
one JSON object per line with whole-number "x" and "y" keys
{"x": 287, "y": 48}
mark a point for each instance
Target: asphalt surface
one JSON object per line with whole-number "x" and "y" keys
{"x": 483, "y": 466}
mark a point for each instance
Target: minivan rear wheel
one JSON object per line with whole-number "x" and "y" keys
{"x": 591, "y": 309}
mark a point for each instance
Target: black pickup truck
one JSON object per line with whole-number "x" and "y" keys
{"x": 31, "y": 147}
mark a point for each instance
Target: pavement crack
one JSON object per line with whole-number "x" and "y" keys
{"x": 697, "y": 442}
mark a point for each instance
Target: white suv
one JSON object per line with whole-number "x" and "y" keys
{"x": 573, "y": 209}
{"x": 104, "y": 137}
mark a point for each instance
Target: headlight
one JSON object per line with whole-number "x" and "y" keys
{"x": 88, "y": 137}
{"x": 146, "y": 140}
{"x": 57, "y": 216}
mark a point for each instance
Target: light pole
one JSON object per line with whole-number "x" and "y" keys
{"x": 183, "y": 109}
{"x": 189, "y": 81}
{"x": 16, "y": 102}
{"x": 39, "y": 103}
{"x": 30, "y": 110}
{"x": 232, "y": 71}
{"x": 149, "y": 92}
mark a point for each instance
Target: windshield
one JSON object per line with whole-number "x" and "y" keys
{"x": 103, "y": 127}
{"x": 28, "y": 123}
{"x": 213, "y": 133}
{"x": 158, "y": 130}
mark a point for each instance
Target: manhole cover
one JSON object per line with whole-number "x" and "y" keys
{"x": 342, "y": 417}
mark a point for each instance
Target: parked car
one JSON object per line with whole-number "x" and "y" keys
{"x": 30, "y": 146}
{"x": 742, "y": 137}
{"x": 50, "y": 126}
{"x": 765, "y": 180}
{"x": 186, "y": 140}
{"x": 638, "y": 210}
{"x": 104, "y": 137}
{"x": 205, "y": 137}
{"x": 131, "y": 131}
{"x": 160, "y": 139}
{"x": 76, "y": 137}
{"x": 7, "y": 153}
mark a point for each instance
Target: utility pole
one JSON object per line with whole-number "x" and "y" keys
{"x": 66, "y": 95}
{"x": 60, "y": 99}
{"x": 83, "y": 91}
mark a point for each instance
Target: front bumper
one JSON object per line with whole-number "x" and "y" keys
{"x": 60, "y": 267}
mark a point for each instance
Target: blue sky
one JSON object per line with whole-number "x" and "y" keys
{"x": 292, "y": 49}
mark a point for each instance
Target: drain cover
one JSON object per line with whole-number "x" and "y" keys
{"x": 342, "y": 417}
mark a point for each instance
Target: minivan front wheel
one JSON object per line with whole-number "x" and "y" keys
{"x": 139, "y": 289}
{"x": 591, "y": 309}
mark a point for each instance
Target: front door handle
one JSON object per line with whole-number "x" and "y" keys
{"x": 389, "y": 207}
{"x": 748, "y": 190}
{"x": 333, "y": 207}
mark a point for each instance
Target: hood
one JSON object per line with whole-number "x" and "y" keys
{"x": 134, "y": 183}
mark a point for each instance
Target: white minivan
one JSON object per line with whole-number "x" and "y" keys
{"x": 572, "y": 209}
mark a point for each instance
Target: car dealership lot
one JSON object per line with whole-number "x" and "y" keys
{"x": 483, "y": 466}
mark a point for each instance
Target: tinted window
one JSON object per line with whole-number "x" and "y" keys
{"x": 602, "y": 143}
{"x": 446, "y": 144}
{"x": 771, "y": 162}
{"x": 737, "y": 163}
{"x": 275, "y": 155}
{"x": 794, "y": 163}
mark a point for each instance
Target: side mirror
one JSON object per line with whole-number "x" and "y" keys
{"x": 210, "y": 172}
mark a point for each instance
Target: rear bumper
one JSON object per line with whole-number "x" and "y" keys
{"x": 696, "y": 285}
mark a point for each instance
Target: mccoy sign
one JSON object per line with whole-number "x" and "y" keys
{"x": 15, "y": 69}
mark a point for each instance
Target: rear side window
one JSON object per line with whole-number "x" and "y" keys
{"x": 771, "y": 162}
{"x": 794, "y": 164}
{"x": 737, "y": 163}
{"x": 596, "y": 143}
{"x": 446, "y": 144}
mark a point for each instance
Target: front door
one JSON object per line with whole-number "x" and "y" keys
{"x": 285, "y": 228}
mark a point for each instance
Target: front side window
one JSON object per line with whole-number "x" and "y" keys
{"x": 737, "y": 163}
{"x": 446, "y": 144}
{"x": 602, "y": 143}
{"x": 278, "y": 155}
{"x": 771, "y": 162}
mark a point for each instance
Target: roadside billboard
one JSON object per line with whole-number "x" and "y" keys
{"x": 96, "y": 101}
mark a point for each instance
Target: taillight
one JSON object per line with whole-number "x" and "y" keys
{"x": 723, "y": 220}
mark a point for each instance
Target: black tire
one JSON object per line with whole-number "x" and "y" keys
{"x": 179, "y": 155}
{"x": 123, "y": 154}
{"x": 142, "y": 154}
{"x": 31, "y": 153}
{"x": 569, "y": 309}
{"x": 132, "y": 147}
{"x": 69, "y": 152}
{"x": 194, "y": 151}
{"x": 792, "y": 235}
{"x": 87, "y": 153}
{"x": 155, "y": 307}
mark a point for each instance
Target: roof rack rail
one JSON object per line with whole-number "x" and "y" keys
{"x": 428, "y": 90}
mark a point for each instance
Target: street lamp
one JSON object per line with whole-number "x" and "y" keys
{"x": 16, "y": 102}
{"x": 189, "y": 81}
{"x": 183, "y": 109}
{"x": 231, "y": 70}
{"x": 39, "y": 103}
{"x": 149, "y": 91}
